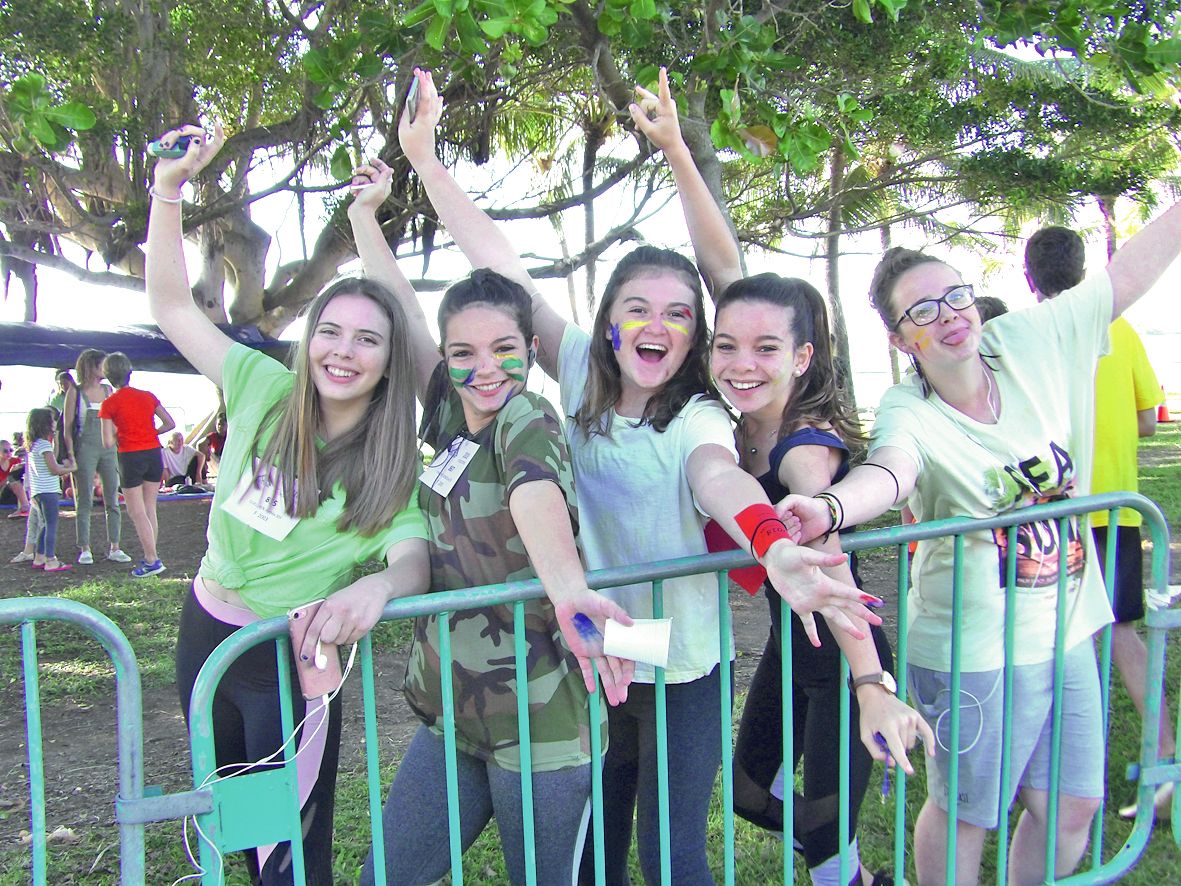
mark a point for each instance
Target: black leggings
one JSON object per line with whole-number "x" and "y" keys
{"x": 247, "y": 726}
{"x": 816, "y": 717}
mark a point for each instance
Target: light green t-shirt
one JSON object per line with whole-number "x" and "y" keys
{"x": 1039, "y": 451}
{"x": 315, "y": 559}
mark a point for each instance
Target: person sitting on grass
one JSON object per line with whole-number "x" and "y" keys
{"x": 183, "y": 464}
{"x": 129, "y": 418}
{"x": 12, "y": 472}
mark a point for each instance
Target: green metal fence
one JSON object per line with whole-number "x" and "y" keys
{"x": 261, "y": 806}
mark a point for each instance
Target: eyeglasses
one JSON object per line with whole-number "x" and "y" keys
{"x": 926, "y": 312}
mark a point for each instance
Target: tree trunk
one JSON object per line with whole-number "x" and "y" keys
{"x": 832, "y": 254}
{"x": 1107, "y": 207}
{"x": 895, "y": 371}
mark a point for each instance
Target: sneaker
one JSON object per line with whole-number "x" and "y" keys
{"x": 144, "y": 569}
{"x": 86, "y": 558}
{"x": 22, "y": 557}
{"x": 117, "y": 556}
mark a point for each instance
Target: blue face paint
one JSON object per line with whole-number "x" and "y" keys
{"x": 616, "y": 341}
{"x": 586, "y": 628}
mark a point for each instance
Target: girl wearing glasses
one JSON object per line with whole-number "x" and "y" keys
{"x": 993, "y": 419}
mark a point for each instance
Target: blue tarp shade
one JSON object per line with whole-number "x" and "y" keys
{"x": 56, "y": 347}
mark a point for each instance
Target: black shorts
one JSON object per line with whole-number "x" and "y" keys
{"x": 1128, "y": 603}
{"x": 142, "y": 466}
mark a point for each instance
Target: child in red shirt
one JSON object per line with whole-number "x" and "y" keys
{"x": 129, "y": 418}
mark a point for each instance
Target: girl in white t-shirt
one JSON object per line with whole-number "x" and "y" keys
{"x": 653, "y": 455}
{"x": 996, "y": 418}
{"x": 45, "y": 486}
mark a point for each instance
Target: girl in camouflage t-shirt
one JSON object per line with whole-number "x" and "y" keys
{"x": 500, "y": 506}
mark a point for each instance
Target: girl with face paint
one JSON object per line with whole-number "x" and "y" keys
{"x": 500, "y": 506}
{"x": 653, "y": 453}
{"x": 996, "y": 418}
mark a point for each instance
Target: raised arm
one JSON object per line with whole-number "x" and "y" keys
{"x": 808, "y": 470}
{"x": 372, "y": 185}
{"x": 170, "y": 297}
{"x": 738, "y": 504}
{"x": 714, "y": 246}
{"x": 484, "y": 244}
{"x": 1140, "y": 262}
{"x": 539, "y": 511}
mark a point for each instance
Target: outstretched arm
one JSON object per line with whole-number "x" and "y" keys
{"x": 714, "y": 246}
{"x": 169, "y": 294}
{"x": 539, "y": 511}
{"x": 484, "y": 244}
{"x": 726, "y": 492}
{"x": 808, "y": 470}
{"x": 372, "y": 184}
{"x": 1140, "y": 262}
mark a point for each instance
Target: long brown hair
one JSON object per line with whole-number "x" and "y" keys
{"x": 375, "y": 461}
{"x": 89, "y": 366}
{"x": 818, "y": 399}
{"x": 603, "y": 386}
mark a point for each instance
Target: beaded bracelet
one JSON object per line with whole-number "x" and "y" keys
{"x": 836, "y": 512}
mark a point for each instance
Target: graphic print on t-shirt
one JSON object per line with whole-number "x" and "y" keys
{"x": 1040, "y": 547}
{"x": 258, "y": 501}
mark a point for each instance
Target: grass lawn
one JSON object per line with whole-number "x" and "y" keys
{"x": 74, "y": 670}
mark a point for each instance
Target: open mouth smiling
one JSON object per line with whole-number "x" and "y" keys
{"x": 651, "y": 353}
{"x": 339, "y": 373}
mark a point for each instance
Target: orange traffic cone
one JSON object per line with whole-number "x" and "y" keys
{"x": 1162, "y": 411}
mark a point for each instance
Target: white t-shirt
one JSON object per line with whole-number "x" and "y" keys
{"x": 1039, "y": 451}
{"x": 176, "y": 463}
{"x": 636, "y": 506}
{"x": 41, "y": 479}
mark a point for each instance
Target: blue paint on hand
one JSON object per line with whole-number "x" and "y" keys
{"x": 616, "y": 341}
{"x": 586, "y": 628}
{"x": 878, "y": 737}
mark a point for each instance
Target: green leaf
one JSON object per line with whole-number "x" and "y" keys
{"x": 324, "y": 99}
{"x": 315, "y": 63}
{"x": 892, "y": 7}
{"x": 862, "y": 12}
{"x": 40, "y": 129}
{"x": 1165, "y": 53}
{"x": 368, "y": 67}
{"x": 496, "y": 28}
{"x": 643, "y": 9}
{"x": 372, "y": 20}
{"x": 436, "y": 32}
{"x": 341, "y": 165}
{"x": 73, "y": 115}
{"x": 419, "y": 14}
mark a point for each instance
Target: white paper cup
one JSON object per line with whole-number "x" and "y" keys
{"x": 645, "y": 641}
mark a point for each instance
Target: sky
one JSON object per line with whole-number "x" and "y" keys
{"x": 65, "y": 301}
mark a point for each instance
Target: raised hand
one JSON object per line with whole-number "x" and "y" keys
{"x": 418, "y": 138}
{"x": 371, "y": 184}
{"x": 656, "y": 115}
{"x": 171, "y": 174}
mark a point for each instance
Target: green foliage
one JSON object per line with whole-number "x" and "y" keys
{"x": 37, "y": 120}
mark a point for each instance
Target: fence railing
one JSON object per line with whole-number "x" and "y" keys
{"x": 261, "y": 807}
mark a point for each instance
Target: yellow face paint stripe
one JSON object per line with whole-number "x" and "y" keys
{"x": 684, "y": 330}
{"x": 633, "y": 324}
{"x": 640, "y": 324}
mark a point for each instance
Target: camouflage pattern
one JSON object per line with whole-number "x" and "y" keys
{"x": 473, "y": 541}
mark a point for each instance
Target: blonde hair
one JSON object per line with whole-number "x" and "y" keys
{"x": 376, "y": 462}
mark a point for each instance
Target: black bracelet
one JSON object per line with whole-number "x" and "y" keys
{"x": 897, "y": 488}
{"x": 754, "y": 535}
{"x": 834, "y": 521}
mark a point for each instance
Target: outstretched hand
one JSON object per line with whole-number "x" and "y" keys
{"x": 795, "y": 573}
{"x": 656, "y": 115}
{"x": 582, "y": 618}
{"x": 171, "y": 174}
{"x": 810, "y": 514}
{"x": 418, "y": 138}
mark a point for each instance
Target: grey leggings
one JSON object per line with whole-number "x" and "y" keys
{"x": 92, "y": 456}
{"x": 417, "y": 847}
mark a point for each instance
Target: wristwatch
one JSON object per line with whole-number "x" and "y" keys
{"x": 882, "y": 678}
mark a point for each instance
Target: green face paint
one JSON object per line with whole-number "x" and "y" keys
{"x": 513, "y": 367}
{"x": 461, "y": 377}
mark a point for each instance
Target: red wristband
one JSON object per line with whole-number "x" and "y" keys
{"x": 762, "y": 526}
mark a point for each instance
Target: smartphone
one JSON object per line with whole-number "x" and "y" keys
{"x": 158, "y": 148}
{"x": 320, "y": 675}
{"x": 412, "y": 99}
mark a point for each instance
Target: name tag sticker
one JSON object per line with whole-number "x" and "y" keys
{"x": 444, "y": 472}
{"x": 258, "y": 501}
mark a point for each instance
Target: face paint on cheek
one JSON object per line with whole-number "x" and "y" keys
{"x": 679, "y": 327}
{"x": 461, "y": 378}
{"x": 633, "y": 324}
{"x": 920, "y": 340}
{"x": 616, "y": 342}
{"x": 513, "y": 367}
